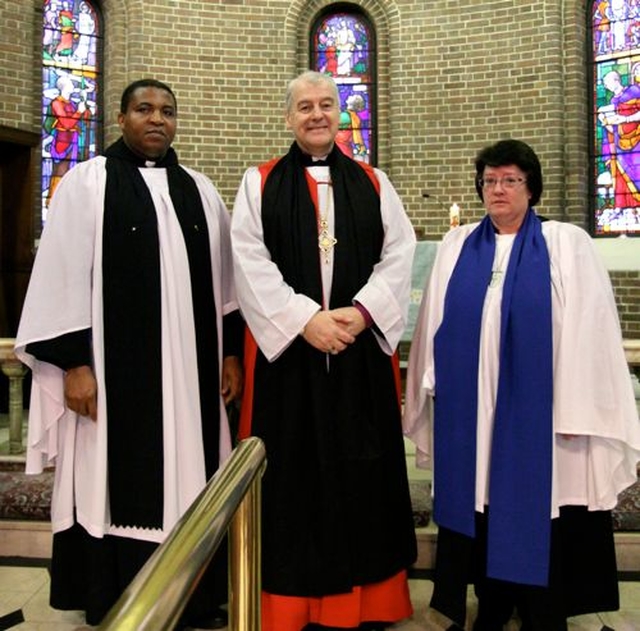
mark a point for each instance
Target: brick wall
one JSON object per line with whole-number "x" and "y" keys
{"x": 453, "y": 77}
{"x": 18, "y": 86}
{"x": 626, "y": 287}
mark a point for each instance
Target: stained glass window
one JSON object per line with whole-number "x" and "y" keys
{"x": 615, "y": 38}
{"x": 71, "y": 75}
{"x": 342, "y": 45}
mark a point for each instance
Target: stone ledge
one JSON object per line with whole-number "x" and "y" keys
{"x": 30, "y": 539}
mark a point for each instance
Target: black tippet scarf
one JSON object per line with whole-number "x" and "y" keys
{"x": 521, "y": 456}
{"x": 336, "y": 455}
{"x": 132, "y": 332}
{"x": 292, "y": 234}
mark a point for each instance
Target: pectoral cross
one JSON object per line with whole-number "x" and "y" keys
{"x": 326, "y": 240}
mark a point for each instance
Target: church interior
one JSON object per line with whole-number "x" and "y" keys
{"x": 425, "y": 87}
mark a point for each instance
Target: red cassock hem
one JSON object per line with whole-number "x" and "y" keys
{"x": 386, "y": 601}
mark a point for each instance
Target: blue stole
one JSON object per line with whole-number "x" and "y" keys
{"x": 519, "y": 517}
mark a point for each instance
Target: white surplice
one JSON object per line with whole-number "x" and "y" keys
{"x": 595, "y": 419}
{"x": 65, "y": 295}
{"x": 275, "y": 313}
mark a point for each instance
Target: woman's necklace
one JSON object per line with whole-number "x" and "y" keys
{"x": 326, "y": 240}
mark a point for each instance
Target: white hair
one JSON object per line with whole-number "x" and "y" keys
{"x": 314, "y": 78}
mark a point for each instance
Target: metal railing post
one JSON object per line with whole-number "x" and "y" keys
{"x": 244, "y": 562}
{"x": 158, "y": 594}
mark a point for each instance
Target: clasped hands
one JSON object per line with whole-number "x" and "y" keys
{"x": 331, "y": 331}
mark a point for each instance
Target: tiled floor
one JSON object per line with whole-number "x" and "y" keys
{"x": 627, "y": 619}
{"x": 24, "y": 592}
{"x": 424, "y": 619}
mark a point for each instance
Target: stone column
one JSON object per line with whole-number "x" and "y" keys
{"x": 15, "y": 370}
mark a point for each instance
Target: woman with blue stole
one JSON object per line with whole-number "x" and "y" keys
{"x": 519, "y": 397}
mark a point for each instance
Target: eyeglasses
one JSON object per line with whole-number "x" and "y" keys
{"x": 509, "y": 182}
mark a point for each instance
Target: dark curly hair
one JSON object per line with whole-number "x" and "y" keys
{"x": 506, "y": 152}
{"x": 143, "y": 83}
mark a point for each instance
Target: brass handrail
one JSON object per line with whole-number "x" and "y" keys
{"x": 156, "y": 597}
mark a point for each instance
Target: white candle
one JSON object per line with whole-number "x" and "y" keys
{"x": 454, "y": 216}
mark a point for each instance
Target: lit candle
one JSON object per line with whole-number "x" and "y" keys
{"x": 454, "y": 216}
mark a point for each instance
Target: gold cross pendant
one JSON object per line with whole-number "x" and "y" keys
{"x": 326, "y": 240}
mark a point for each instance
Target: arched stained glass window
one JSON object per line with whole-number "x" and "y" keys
{"x": 71, "y": 76}
{"x": 343, "y": 45}
{"x": 615, "y": 38}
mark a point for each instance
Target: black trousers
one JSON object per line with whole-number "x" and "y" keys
{"x": 582, "y": 576}
{"x": 536, "y": 607}
{"x": 89, "y": 574}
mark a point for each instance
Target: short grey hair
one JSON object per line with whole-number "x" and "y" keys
{"x": 313, "y": 77}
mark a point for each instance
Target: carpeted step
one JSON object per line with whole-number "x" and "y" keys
{"x": 626, "y": 515}
{"x": 28, "y": 498}
{"x": 420, "y": 491}
{"x": 24, "y": 497}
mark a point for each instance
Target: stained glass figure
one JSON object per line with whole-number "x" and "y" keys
{"x": 343, "y": 47}
{"x": 615, "y": 30}
{"x": 71, "y": 74}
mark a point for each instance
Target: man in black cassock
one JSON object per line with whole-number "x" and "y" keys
{"x": 133, "y": 335}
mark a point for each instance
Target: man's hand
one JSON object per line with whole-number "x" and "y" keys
{"x": 329, "y": 332}
{"x": 352, "y": 320}
{"x": 81, "y": 391}
{"x": 232, "y": 379}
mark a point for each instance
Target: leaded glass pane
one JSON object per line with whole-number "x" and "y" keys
{"x": 616, "y": 106}
{"x": 343, "y": 46}
{"x": 71, "y": 116}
